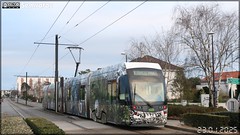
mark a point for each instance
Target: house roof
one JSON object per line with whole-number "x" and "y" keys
{"x": 225, "y": 75}
{"x": 163, "y": 64}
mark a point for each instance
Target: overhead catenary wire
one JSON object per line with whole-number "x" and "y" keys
{"x": 104, "y": 27}
{"x": 71, "y": 17}
{"x": 112, "y": 23}
{"x": 95, "y": 11}
{"x": 45, "y": 70}
{"x": 63, "y": 37}
{"x": 43, "y": 38}
{"x": 74, "y": 27}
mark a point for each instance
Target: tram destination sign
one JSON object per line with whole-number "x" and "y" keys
{"x": 145, "y": 73}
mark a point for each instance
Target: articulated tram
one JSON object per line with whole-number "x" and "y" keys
{"x": 131, "y": 93}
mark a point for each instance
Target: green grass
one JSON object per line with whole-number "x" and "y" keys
{"x": 18, "y": 125}
{"x": 14, "y": 125}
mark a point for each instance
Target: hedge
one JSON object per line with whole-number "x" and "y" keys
{"x": 179, "y": 110}
{"x": 234, "y": 118}
{"x": 205, "y": 120}
{"x": 43, "y": 126}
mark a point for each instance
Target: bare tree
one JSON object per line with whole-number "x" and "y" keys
{"x": 167, "y": 49}
{"x": 193, "y": 25}
{"x": 38, "y": 88}
{"x": 164, "y": 47}
{"x": 139, "y": 49}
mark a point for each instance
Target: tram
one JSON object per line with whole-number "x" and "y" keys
{"x": 130, "y": 93}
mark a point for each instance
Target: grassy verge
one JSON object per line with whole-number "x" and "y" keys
{"x": 17, "y": 125}
{"x": 14, "y": 125}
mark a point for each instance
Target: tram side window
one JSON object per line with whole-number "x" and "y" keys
{"x": 82, "y": 92}
{"x": 69, "y": 94}
{"x": 112, "y": 90}
{"x": 109, "y": 91}
{"x": 95, "y": 90}
{"x": 123, "y": 89}
{"x": 104, "y": 88}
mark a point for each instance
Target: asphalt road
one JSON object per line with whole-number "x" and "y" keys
{"x": 7, "y": 109}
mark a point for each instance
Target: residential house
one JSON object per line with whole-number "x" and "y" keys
{"x": 34, "y": 84}
{"x": 225, "y": 86}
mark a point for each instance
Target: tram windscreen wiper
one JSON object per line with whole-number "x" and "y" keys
{"x": 135, "y": 94}
{"x": 146, "y": 102}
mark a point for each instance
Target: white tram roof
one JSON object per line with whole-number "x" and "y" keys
{"x": 130, "y": 65}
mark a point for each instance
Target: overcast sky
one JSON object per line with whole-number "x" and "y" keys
{"x": 22, "y": 27}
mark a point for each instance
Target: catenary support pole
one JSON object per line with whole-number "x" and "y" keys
{"x": 56, "y": 73}
{"x": 26, "y": 89}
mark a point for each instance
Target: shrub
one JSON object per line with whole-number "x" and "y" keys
{"x": 175, "y": 110}
{"x": 205, "y": 120}
{"x": 43, "y": 126}
{"x": 234, "y": 118}
{"x": 179, "y": 110}
{"x": 32, "y": 98}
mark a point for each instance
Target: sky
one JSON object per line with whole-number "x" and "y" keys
{"x": 103, "y": 35}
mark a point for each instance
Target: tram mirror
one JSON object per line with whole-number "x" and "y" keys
{"x": 118, "y": 73}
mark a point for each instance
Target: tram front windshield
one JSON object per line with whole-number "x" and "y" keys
{"x": 147, "y": 86}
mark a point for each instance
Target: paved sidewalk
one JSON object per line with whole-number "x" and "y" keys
{"x": 176, "y": 124}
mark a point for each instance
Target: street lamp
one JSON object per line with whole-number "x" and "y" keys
{"x": 124, "y": 53}
{"x": 214, "y": 90}
{"x": 79, "y": 57}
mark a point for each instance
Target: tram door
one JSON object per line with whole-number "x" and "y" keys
{"x": 112, "y": 95}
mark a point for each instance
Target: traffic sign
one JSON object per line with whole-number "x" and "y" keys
{"x": 233, "y": 80}
{"x": 232, "y": 105}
